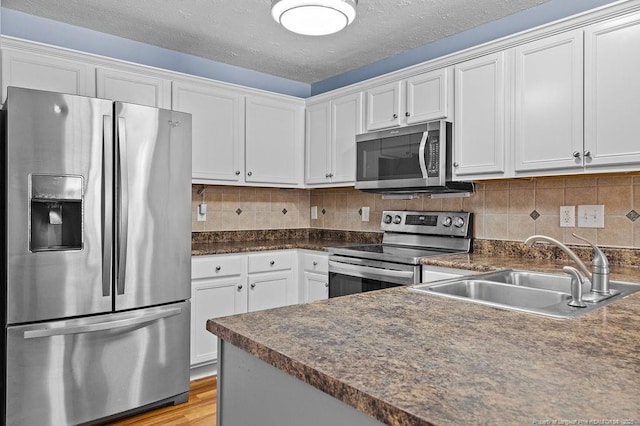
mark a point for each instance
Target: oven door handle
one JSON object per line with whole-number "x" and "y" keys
{"x": 368, "y": 272}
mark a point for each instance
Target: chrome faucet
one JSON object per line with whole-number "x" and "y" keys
{"x": 598, "y": 277}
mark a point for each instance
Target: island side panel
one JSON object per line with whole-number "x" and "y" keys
{"x": 252, "y": 392}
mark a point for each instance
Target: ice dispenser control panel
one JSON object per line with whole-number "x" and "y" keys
{"x": 56, "y": 213}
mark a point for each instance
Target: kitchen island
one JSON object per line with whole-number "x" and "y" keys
{"x": 408, "y": 359}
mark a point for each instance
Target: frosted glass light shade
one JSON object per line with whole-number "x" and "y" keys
{"x": 314, "y": 17}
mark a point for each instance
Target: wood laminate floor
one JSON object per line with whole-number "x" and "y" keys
{"x": 199, "y": 410}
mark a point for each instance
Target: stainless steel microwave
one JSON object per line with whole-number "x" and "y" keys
{"x": 412, "y": 159}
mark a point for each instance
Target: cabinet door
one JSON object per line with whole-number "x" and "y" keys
{"x": 274, "y": 141}
{"x": 43, "y": 72}
{"x": 612, "y": 85}
{"x": 318, "y": 144}
{"x": 346, "y": 123}
{"x": 426, "y": 97}
{"x": 548, "y": 103}
{"x": 269, "y": 290}
{"x": 479, "y": 142}
{"x": 211, "y": 299}
{"x": 383, "y": 106}
{"x": 132, "y": 87}
{"x": 217, "y": 130}
{"x": 316, "y": 286}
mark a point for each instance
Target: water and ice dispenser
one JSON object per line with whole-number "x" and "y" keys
{"x": 56, "y": 213}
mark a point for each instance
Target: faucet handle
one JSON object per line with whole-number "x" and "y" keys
{"x": 600, "y": 260}
{"x": 576, "y": 287}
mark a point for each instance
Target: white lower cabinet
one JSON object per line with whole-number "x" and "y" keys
{"x": 316, "y": 286}
{"x": 223, "y": 285}
{"x": 315, "y": 275}
{"x": 217, "y": 289}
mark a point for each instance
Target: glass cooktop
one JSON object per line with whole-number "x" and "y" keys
{"x": 391, "y": 253}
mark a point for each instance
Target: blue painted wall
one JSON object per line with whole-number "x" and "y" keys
{"x": 29, "y": 27}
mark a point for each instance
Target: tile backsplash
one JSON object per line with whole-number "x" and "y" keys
{"x": 504, "y": 210}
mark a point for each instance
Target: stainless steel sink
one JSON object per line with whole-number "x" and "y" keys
{"x": 525, "y": 291}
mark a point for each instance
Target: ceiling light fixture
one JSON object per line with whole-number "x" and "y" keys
{"x": 314, "y": 17}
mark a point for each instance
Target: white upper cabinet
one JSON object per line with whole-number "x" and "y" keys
{"x": 332, "y": 126}
{"x": 548, "y": 104}
{"x": 318, "y": 144}
{"x": 612, "y": 94}
{"x": 133, "y": 87}
{"x": 346, "y": 123}
{"x": 419, "y": 98}
{"x": 274, "y": 141}
{"x": 427, "y": 96}
{"x": 217, "y": 130}
{"x": 46, "y": 72}
{"x": 479, "y": 127}
{"x": 383, "y": 106}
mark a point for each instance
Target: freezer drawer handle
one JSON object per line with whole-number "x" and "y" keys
{"x": 101, "y": 326}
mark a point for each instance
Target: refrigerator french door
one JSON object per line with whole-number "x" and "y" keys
{"x": 96, "y": 268}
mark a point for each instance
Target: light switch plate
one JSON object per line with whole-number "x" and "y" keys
{"x": 314, "y": 212}
{"x": 591, "y": 216}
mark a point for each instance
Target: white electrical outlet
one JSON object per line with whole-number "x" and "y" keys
{"x": 591, "y": 216}
{"x": 567, "y": 216}
{"x": 365, "y": 214}
{"x": 314, "y": 212}
{"x": 202, "y": 212}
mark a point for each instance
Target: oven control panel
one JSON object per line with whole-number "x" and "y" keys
{"x": 457, "y": 224}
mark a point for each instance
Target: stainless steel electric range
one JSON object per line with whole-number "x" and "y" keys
{"x": 408, "y": 237}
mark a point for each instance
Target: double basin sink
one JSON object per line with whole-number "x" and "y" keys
{"x": 526, "y": 291}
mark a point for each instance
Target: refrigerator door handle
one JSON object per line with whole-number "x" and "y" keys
{"x": 107, "y": 206}
{"x": 123, "y": 204}
{"x": 101, "y": 326}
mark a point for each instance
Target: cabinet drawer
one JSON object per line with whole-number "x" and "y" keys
{"x": 270, "y": 262}
{"x": 316, "y": 263}
{"x": 214, "y": 266}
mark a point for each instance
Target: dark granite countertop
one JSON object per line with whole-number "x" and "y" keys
{"x": 410, "y": 359}
{"x": 209, "y": 243}
{"x": 226, "y": 247}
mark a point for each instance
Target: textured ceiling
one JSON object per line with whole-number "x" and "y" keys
{"x": 242, "y": 32}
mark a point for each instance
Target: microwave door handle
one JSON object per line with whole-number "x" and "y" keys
{"x": 421, "y": 154}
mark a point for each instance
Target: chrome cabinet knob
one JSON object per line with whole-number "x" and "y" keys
{"x": 326, "y": 285}
{"x": 330, "y": 175}
{"x": 218, "y": 268}
{"x": 407, "y": 114}
{"x": 237, "y": 172}
{"x": 253, "y": 285}
{"x": 239, "y": 286}
{"x": 273, "y": 262}
{"x": 249, "y": 174}
{"x": 395, "y": 115}
{"x": 576, "y": 154}
{"x": 326, "y": 175}
{"x": 587, "y": 153}
{"x": 456, "y": 164}
{"x": 315, "y": 263}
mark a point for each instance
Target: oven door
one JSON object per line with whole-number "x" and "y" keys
{"x": 349, "y": 275}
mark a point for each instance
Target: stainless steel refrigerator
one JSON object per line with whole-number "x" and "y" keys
{"x": 96, "y": 214}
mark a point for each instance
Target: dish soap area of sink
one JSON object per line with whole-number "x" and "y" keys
{"x": 552, "y": 295}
